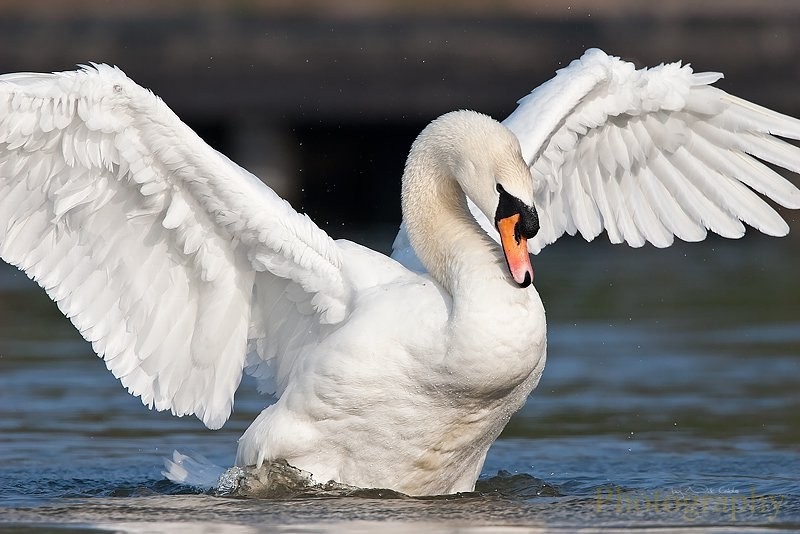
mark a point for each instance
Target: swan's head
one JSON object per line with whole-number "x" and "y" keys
{"x": 486, "y": 160}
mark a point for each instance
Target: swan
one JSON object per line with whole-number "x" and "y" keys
{"x": 185, "y": 271}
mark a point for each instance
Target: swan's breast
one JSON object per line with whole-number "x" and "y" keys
{"x": 498, "y": 340}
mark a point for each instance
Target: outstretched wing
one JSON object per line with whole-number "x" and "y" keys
{"x": 149, "y": 240}
{"x": 651, "y": 154}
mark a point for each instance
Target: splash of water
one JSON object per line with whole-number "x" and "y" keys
{"x": 278, "y": 479}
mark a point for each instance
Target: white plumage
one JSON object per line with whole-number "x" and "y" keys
{"x": 183, "y": 270}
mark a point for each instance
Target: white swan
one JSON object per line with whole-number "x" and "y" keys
{"x": 183, "y": 270}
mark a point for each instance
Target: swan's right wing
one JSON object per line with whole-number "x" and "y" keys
{"x": 650, "y": 154}
{"x": 150, "y": 241}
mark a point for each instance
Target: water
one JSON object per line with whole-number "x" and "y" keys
{"x": 671, "y": 400}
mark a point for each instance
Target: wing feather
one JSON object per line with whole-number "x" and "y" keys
{"x": 644, "y": 216}
{"x": 650, "y": 154}
{"x": 584, "y": 212}
{"x": 150, "y": 241}
{"x": 600, "y": 194}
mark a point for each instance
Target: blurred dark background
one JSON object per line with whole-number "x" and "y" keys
{"x": 322, "y": 99}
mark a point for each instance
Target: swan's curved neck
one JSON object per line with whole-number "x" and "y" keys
{"x": 445, "y": 236}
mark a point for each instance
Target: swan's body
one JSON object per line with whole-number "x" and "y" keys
{"x": 418, "y": 401}
{"x": 184, "y": 270}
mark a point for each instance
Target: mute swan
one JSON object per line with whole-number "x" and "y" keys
{"x": 184, "y": 271}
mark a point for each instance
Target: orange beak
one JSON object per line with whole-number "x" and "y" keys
{"x": 515, "y": 247}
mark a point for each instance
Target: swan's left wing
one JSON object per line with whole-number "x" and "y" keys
{"x": 151, "y": 242}
{"x": 650, "y": 154}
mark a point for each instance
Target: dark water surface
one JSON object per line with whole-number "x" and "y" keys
{"x": 671, "y": 400}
